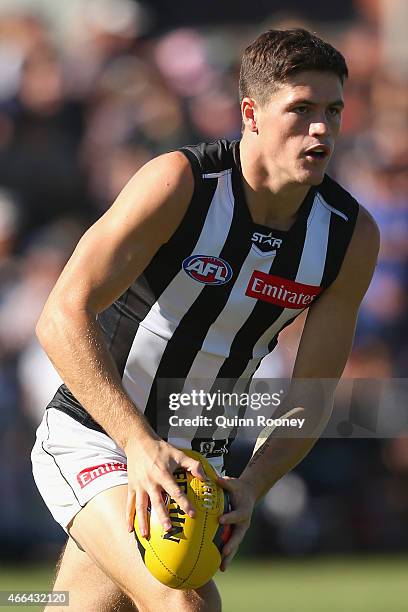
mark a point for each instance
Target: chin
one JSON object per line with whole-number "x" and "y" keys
{"x": 312, "y": 178}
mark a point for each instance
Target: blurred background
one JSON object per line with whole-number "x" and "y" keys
{"x": 90, "y": 90}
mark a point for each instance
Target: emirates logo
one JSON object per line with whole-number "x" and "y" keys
{"x": 281, "y": 291}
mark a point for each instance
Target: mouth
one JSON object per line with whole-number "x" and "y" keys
{"x": 317, "y": 154}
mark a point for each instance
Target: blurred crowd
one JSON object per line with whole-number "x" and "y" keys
{"x": 85, "y": 101}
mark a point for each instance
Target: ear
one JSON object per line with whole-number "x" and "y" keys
{"x": 248, "y": 111}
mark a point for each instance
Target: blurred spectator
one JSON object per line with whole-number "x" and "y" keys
{"x": 40, "y": 162}
{"x": 10, "y": 222}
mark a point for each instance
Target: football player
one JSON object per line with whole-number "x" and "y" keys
{"x": 204, "y": 257}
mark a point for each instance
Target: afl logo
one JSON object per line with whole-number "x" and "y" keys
{"x": 207, "y": 269}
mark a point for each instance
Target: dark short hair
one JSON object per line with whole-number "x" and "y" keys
{"x": 276, "y": 55}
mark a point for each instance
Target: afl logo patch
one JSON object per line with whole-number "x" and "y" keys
{"x": 207, "y": 269}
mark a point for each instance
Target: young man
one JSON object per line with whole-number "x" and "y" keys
{"x": 138, "y": 303}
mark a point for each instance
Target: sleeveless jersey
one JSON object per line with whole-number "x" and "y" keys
{"x": 212, "y": 301}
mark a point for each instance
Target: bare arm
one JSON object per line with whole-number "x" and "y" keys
{"x": 323, "y": 351}
{"x": 111, "y": 254}
{"x": 108, "y": 258}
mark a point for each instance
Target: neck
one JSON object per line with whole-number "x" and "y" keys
{"x": 272, "y": 201}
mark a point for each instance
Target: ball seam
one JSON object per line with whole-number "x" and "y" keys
{"x": 182, "y": 580}
{"x": 201, "y": 546}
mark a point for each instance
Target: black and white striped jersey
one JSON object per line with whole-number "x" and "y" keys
{"x": 214, "y": 298}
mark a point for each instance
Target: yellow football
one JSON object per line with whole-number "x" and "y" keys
{"x": 188, "y": 556}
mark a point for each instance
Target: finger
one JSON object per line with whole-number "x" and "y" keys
{"x": 234, "y": 517}
{"x": 183, "y": 502}
{"x": 130, "y": 509}
{"x": 170, "y": 486}
{"x": 142, "y": 500}
{"x": 229, "y": 553}
{"x": 156, "y": 499}
{"x": 193, "y": 466}
{"x": 234, "y": 541}
{"x": 227, "y": 560}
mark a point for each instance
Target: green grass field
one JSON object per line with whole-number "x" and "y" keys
{"x": 312, "y": 585}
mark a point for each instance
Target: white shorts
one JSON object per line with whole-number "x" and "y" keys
{"x": 73, "y": 463}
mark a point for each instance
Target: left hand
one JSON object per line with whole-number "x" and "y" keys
{"x": 242, "y": 502}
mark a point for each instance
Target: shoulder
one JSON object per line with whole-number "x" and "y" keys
{"x": 172, "y": 169}
{"x": 210, "y": 157}
{"x": 367, "y": 232}
{"x": 163, "y": 179}
{"x": 154, "y": 200}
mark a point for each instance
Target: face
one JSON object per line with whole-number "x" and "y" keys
{"x": 296, "y": 130}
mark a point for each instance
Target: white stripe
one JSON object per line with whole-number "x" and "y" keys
{"x": 162, "y": 320}
{"x": 143, "y": 361}
{"x": 211, "y": 175}
{"x": 311, "y": 266}
{"x": 336, "y": 212}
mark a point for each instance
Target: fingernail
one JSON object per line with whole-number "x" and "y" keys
{"x": 167, "y": 525}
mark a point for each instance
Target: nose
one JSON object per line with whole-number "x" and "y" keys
{"x": 318, "y": 128}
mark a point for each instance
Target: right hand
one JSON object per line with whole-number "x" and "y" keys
{"x": 150, "y": 472}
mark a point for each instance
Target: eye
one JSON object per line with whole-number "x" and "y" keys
{"x": 334, "y": 111}
{"x": 302, "y": 109}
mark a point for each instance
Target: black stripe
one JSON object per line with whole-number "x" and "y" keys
{"x": 340, "y": 234}
{"x": 340, "y": 231}
{"x": 334, "y": 255}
